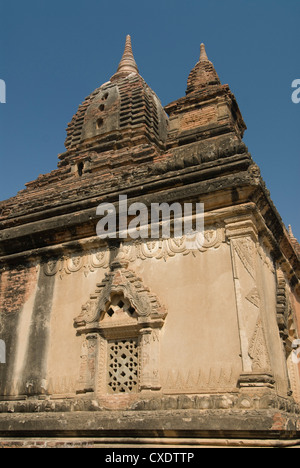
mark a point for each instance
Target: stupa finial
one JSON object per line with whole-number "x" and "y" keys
{"x": 203, "y": 55}
{"x": 127, "y": 64}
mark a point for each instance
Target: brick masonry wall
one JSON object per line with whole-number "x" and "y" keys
{"x": 16, "y": 286}
{"x": 198, "y": 118}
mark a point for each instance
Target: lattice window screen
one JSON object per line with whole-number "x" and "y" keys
{"x": 123, "y": 366}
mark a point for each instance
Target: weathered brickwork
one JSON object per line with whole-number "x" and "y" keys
{"x": 16, "y": 286}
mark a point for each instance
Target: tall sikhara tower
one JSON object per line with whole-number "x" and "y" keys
{"x": 148, "y": 340}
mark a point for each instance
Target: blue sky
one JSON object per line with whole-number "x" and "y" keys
{"x": 54, "y": 53}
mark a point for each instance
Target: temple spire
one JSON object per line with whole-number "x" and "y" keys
{"x": 291, "y": 232}
{"x": 203, "y": 55}
{"x": 203, "y": 74}
{"x": 127, "y": 64}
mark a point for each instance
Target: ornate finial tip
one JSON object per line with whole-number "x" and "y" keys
{"x": 203, "y": 56}
{"x": 290, "y": 231}
{"x": 127, "y": 64}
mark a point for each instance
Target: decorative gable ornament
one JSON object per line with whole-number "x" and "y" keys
{"x": 123, "y": 282}
{"x": 122, "y": 315}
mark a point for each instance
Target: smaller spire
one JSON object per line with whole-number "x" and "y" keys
{"x": 203, "y": 55}
{"x": 127, "y": 64}
{"x": 291, "y": 232}
{"x": 203, "y": 74}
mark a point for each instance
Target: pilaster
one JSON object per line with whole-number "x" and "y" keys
{"x": 242, "y": 237}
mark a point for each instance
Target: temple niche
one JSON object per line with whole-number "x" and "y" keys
{"x": 148, "y": 337}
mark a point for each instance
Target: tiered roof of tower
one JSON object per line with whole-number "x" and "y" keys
{"x": 121, "y": 140}
{"x": 209, "y": 108}
{"x": 122, "y": 113}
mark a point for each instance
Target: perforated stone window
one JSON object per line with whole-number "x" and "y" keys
{"x": 123, "y": 366}
{"x": 121, "y": 349}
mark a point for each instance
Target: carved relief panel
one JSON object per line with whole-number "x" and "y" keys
{"x": 286, "y": 321}
{"x": 162, "y": 249}
{"x": 243, "y": 240}
{"x": 121, "y": 324}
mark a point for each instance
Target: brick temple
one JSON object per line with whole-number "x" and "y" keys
{"x": 117, "y": 341}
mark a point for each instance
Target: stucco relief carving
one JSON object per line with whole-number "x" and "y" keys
{"x": 294, "y": 378}
{"x": 245, "y": 252}
{"x": 266, "y": 258}
{"x": 125, "y": 282}
{"x": 245, "y": 249}
{"x": 253, "y": 297}
{"x": 193, "y": 380}
{"x": 72, "y": 264}
{"x": 88, "y": 364}
{"x": 258, "y": 350}
{"x": 163, "y": 249}
{"x": 242, "y": 237}
{"x": 122, "y": 310}
{"x": 287, "y": 330}
{"x": 212, "y": 237}
{"x": 284, "y": 313}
